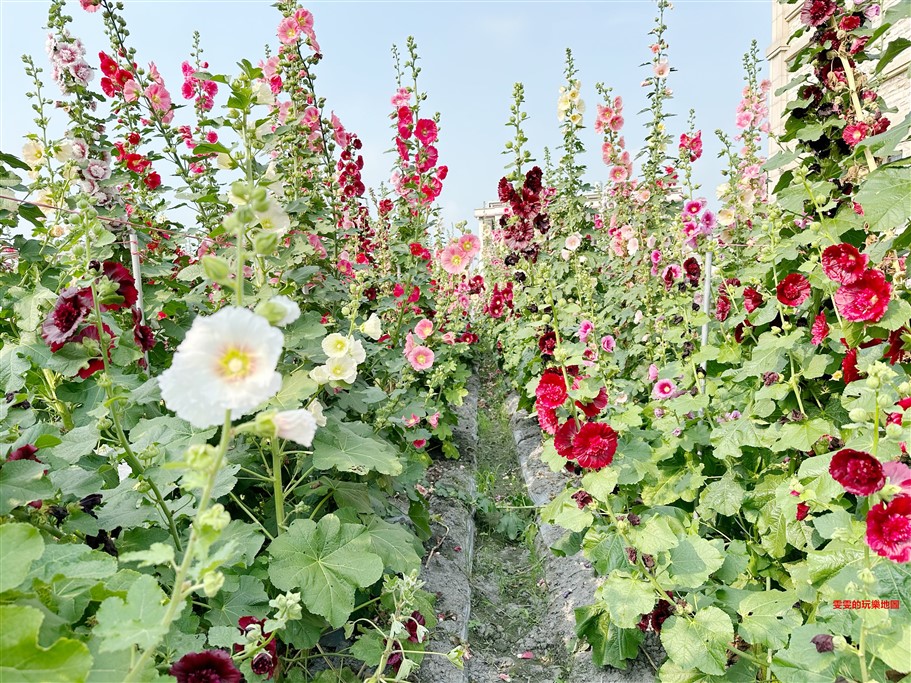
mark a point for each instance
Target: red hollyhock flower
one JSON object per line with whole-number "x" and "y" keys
{"x": 25, "y": 452}
{"x": 889, "y": 529}
{"x": 722, "y": 308}
{"x": 411, "y": 625}
{"x": 563, "y": 438}
{"x": 849, "y": 371}
{"x": 69, "y": 311}
{"x": 96, "y": 364}
{"x": 595, "y": 444}
{"x": 551, "y": 390}
{"x": 153, "y": 180}
{"x": 752, "y": 299}
{"x": 693, "y": 270}
{"x": 855, "y": 133}
{"x": 816, "y": 12}
{"x": 860, "y": 473}
{"x": 547, "y": 418}
{"x": 843, "y": 263}
{"x": 208, "y": 666}
{"x": 426, "y": 131}
{"x": 802, "y": 511}
{"x": 898, "y": 351}
{"x": 126, "y": 286}
{"x": 866, "y": 299}
{"x": 820, "y": 329}
{"x": 793, "y": 290}
{"x": 597, "y": 404}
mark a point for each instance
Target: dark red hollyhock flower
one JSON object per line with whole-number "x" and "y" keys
{"x": 582, "y": 498}
{"x": 24, "y": 452}
{"x": 730, "y": 282}
{"x": 793, "y": 290}
{"x": 860, "y": 473}
{"x": 547, "y": 343}
{"x": 144, "y": 337}
{"x": 849, "y": 23}
{"x": 208, "y": 666}
{"x": 889, "y": 529}
{"x": 849, "y": 371}
{"x": 152, "y": 181}
{"x": 547, "y": 418}
{"x": 265, "y": 662}
{"x": 551, "y": 390}
{"x": 69, "y": 311}
{"x": 820, "y": 329}
{"x": 898, "y": 351}
{"x": 96, "y": 364}
{"x": 126, "y": 286}
{"x": 469, "y": 338}
{"x": 752, "y": 299}
{"x": 595, "y": 444}
{"x": 866, "y": 298}
{"x": 656, "y": 618}
{"x": 722, "y": 308}
{"x": 396, "y": 658}
{"x": 411, "y": 625}
{"x": 496, "y": 307}
{"x": 693, "y": 270}
{"x": 598, "y": 403}
{"x": 823, "y": 642}
{"x": 563, "y": 438}
{"x": 816, "y": 12}
{"x": 802, "y": 511}
{"x": 843, "y": 263}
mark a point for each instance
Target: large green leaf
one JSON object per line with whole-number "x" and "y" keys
{"x": 12, "y": 369}
{"x": 326, "y": 562}
{"x": 611, "y": 646}
{"x": 338, "y": 446}
{"x": 74, "y": 561}
{"x": 21, "y": 482}
{"x": 626, "y": 599}
{"x": 399, "y": 549}
{"x": 699, "y": 642}
{"x": 886, "y": 198}
{"x": 692, "y": 560}
{"x": 22, "y": 660}
{"x": 768, "y": 617}
{"x": 20, "y": 545}
{"x": 723, "y": 497}
{"x": 653, "y": 535}
{"x": 241, "y": 596}
{"x": 135, "y": 621}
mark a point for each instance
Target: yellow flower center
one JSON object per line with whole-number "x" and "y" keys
{"x": 456, "y": 259}
{"x": 422, "y": 358}
{"x": 235, "y": 364}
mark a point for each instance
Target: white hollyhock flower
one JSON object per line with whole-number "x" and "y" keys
{"x": 342, "y": 369}
{"x": 316, "y": 409}
{"x": 33, "y": 153}
{"x": 226, "y": 362}
{"x": 298, "y": 426}
{"x": 372, "y": 328}
{"x": 320, "y": 374}
{"x": 573, "y": 242}
{"x": 356, "y": 351}
{"x": 336, "y": 345}
{"x": 293, "y": 311}
{"x": 726, "y": 217}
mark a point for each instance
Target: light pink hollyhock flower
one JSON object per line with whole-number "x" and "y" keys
{"x": 470, "y": 245}
{"x": 585, "y": 329}
{"x": 411, "y": 421}
{"x": 434, "y": 419}
{"x": 632, "y": 246}
{"x": 159, "y": 97}
{"x": 619, "y": 174}
{"x": 899, "y": 475}
{"x": 288, "y": 31}
{"x": 664, "y": 388}
{"x": 453, "y": 260}
{"x": 608, "y": 343}
{"x": 573, "y": 242}
{"x": 130, "y": 90}
{"x": 401, "y": 98}
{"x": 424, "y": 328}
{"x": 409, "y": 343}
{"x": 421, "y": 358}
{"x": 662, "y": 68}
{"x": 449, "y": 338}
{"x": 317, "y": 245}
{"x": 652, "y": 372}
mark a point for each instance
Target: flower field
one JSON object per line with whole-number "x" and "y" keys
{"x": 228, "y": 364}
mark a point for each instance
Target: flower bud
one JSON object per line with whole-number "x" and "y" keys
{"x": 212, "y": 583}
{"x": 839, "y": 643}
{"x": 867, "y": 576}
{"x": 873, "y": 382}
{"x": 858, "y": 415}
{"x": 216, "y": 518}
{"x": 894, "y": 431}
{"x": 216, "y": 269}
{"x": 265, "y": 243}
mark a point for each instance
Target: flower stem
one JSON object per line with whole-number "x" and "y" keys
{"x": 278, "y": 490}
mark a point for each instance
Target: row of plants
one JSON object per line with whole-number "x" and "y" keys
{"x": 726, "y": 390}
{"x": 226, "y": 364}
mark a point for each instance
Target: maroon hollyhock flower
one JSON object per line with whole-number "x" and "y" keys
{"x": 793, "y": 290}
{"x": 25, "y": 452}
{"x": 656, "y": 618}
{"x": 816, "y": 12}
{"x": 551, "y": 390}
{"x": 144, "y": 337}
{"x": 126, "y": 286}
{"x": 860, "y": 473}
{"x": 820, "y": 329}
{"x": 898, "y": 351}
{"x": 722, "y": 308}
{"x": 889, "y": 529}
{"x": 208, "y": 666}
{"x": 411, "y": 625}
{"x": 693, "y": 270}
{"x": 595, "y": 445}
{"x": 597, "y": 404}
{"x": 849, "y": 371}
{"x": 752, "y": 299}
{"x": 547, "y": 343}
{"x": 69, "y": 311}
{"x": 266, "y": 661}
{"x": 96, "y": 364}
{"x": 866, "y": 298}
{"x": 823, "y": 642}
{"x": 802, "y": 511}
{"x": 582, "y": 498}
{"x": 563, "y": 438}
{"x": 843, "y": 263}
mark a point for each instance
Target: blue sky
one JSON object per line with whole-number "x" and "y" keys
{"x": 472, "y": 53}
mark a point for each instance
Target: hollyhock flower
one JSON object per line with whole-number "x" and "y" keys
{"x": 563, "y": 438}
{"x": 594, "y": 446}
{"x": 889, "y": 529}
{"x": 372, "y": 327}
{"x": 583, "y": 499}
{"x": 424, "y": 328}
{"x": 586, "y": 327}
{"x": 802, "y": 511}
{"x": 855, "y": 133}
{"x": 693, "y": 270}
{"x": 820, "y": 329}
{"x": 608, "y": 343}
{"x": 652, "y": 372}
{"x": 342, "y": 369}
{"x": 126, "y": 286}
{"x": 547, "y": 418}
{"x": 619, "y": 174}
{"x": 693, "y": 207}
{"x": 573, "y": 242}
{"x": 208, "y": 666}
{"x": 298, "y": 426}
{"x": 709, "y": 221}
{"x": 453, "y": 260}
{"x": 152, "y": 180}
{"x": 793, "y": 290}
{"x": 421, "y": 358}
{"x": 144, "y": 337}
{"x": 288, "y": 31}
{"x": 547, "y": 343}
{"x": 24, "y": 452}
{"x": 849, "y": 371}
{"x": 866, "y": 298}
{"x": 843, "y": 263}
{"x": 671, "y": 274}
{"x": 159, "y": 98}
{"x": 291, "y": 310}
{"x": 752, "y": 299}
{"x": 722, "y": 308}
{"x": 226, "y": 362}
{"x": 470, "y": 245}
{"x": 336, "y": 345}
{"x": 61, "y": 324}
{"x": 817, "y": 12}
{"x": 664, "y": 388}
{"x": 425, "y": 130}
{"x": 860, "y": 473}
{"x": 597, "y": 404}
{"x": 662, "y": 68}
{"x": 551, "y": 391}
{"x": 898, "y": 474}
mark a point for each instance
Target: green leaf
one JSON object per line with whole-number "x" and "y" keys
{"x": 601, "y": 483}
{"x": 22, "y": 660}
{"x": 802, "y": 435}
{"x": 12, "y": 369}
{"x": 724, "y": 496}
{"x": 399, "y": 549}
{"x": 692, "y": 560}
{"x": 20, "y": 545}
{"x": 326, "y": 562}
{"x": 626, "y": 599}
{"x": 564, "y": 512}
{"x": 611, "y": 646}
{"x": 701, "y": 642}
{"x": 340, "y": 447}
{"x": 158, "y": 553}
{"x": 893, "y": 50}
{"x": 77, "y": 443}
{"x": 172, "y": 434}
{"x": 897, "y": 315}
{"x": 653, "y": 535}
{"x": 297, "y": 387}
{"x": 892, "y": 644}
{"x": 768, "y": 617}
{"x": 21, "y": 482}
{"x": 240, "y": 596}
{"x": 134, "y": 621}
{"x": 74, "y": 561}
{"x": 886, "y": 198}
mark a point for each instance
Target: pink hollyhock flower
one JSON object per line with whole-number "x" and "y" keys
{"x": 409, "y": 343}
{"x": 664, "y": 388}
{"x": 889, "y": 529}
{"x": 843, "y": 263}
{"x": 90, "y": 5}
{"x": 398, "y": 290}
{"x": 449, "y": 338}
{"x": 793, "y": 290}
{"x": 898, "y": 474}
{"x": 453, "y": 260}
{"x": 608, "y": 343}
{"x": 424, "y": 328}
{"x": 288, "y": 31}
{"x": 655, "y": 257}
{"x": 317, "y": 245}
{"x": 411, "y": 421}
{"x": 551, "y": 390}
{"x": 693, "y": 207}
{"x": 470, "y": 245}
{"x": 866, "y": 299}
{"x": 434, "y": 419}
{"x": 401, "y": 98}
{"x": 594, "y": 446}
{"x": 652, "y": 372}
{"x": 61, "y": 324}
{"x": 820, "y": 329}
{"x": 585, "y": 329}
{"x": 426, "y": 131}
{"x": 421, "y": 358}
{"x": 860, "y": 473}
{"x": 662, "y": 68}
{"x": 855, "y": 133}
{"x": 619, "y": 174}
{"x": 752, "y": 299}
{"x": 159, "y": 98}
